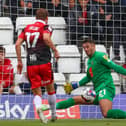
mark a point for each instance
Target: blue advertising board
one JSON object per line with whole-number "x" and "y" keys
{"x": 22, "y": 107}
{"x": 16, "y": 107}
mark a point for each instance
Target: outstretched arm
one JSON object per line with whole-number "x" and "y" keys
{"x": 69, "y": 86}
{"x": 110, "y": 64}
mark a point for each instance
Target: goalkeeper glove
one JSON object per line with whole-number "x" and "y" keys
{"x": 68, "y": 87}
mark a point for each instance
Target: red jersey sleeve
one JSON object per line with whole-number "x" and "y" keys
{"x": 22, "y": 35}
{"x": 47, "y": 29}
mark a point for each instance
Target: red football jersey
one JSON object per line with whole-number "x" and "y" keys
{"x": 124, "y": 65}
{"x": 6, "y": 73}
{"x": 37, "y": 51}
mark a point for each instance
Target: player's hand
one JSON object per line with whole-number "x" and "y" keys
{"x": 68, "y": 88}
{"x": 19, "y": 67}
{"x": 56, "y": 54}
{"x": 1, "y": 87}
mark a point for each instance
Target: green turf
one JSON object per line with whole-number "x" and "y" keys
{"x": 66, "y": 122}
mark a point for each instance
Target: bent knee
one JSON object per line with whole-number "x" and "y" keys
{"x": 104, "y": 114}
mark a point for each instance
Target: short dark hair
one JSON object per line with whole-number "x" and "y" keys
{"x": 89, "y": 40}
{"x": 2, "y": 49}
{"x": 84, "y": 40}
{"x": 41, "y": 14}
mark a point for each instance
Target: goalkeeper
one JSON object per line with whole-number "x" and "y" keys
{"x": 99, "y": 72}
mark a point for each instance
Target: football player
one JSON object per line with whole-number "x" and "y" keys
{"x": 99, "y": 72}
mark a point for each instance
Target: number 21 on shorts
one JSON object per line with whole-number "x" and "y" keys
{"x": 102, "y": 93}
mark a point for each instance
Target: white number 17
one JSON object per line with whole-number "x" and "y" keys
{"x": 36, "y": 36}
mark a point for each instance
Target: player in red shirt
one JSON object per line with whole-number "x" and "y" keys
{"x": 6, "y": 72}
{"x": 38, "y": 42}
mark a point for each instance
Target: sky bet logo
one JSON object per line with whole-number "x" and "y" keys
{"x": 70, "y": 113}
{"x": 8, "y": 111}
{"x": 22, "y": 107}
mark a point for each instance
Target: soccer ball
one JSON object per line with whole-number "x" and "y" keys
{"x": 88, "y": 94}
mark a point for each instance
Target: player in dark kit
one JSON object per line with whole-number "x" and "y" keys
{"x": 38, "y": 42}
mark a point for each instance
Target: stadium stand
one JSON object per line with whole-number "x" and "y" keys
{"x": 58, "y": 25}
{"x": 111, "y": 53}
{"x": 69, "y": 61}
{"x": 6, "y": 31}
{"x": 21, "y": 22}
{"x": 117, "y": 82}
{"x": 59, "y": 79}
{"x": 121, "y": 53}
{"x": 71, "y": 56}
{"x": 11, "y": 54}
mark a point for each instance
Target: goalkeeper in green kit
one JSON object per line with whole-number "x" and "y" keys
{"x": 99, "y": 72}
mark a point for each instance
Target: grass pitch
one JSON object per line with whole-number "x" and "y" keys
{"x": 65, "y": 122}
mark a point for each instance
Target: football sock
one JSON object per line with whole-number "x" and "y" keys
{"x": 116, "y": 114}
{"x": 65, "y": 104}
{"x": 37, "y": 101}
{"x": 52, "y": 103}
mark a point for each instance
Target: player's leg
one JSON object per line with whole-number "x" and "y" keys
{"x": 105, "y": 101}
{"x": 87, "y": 97}
{"x": 105, "y": 105}
{"x": 38, "y": 104}
{"x": 35, "y": 81}
{"x": 76, "y": 100}
{"x": 37, "y": 97}
{"x": 52, "y": 100}
{"x": 116, "y": 114}
{"x": 48, "y": 82}
{"x": 108, "y": 112}
{"x": 65, "y": 103}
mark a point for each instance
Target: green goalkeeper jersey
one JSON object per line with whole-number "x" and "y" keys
{"x": 99, "y": 71}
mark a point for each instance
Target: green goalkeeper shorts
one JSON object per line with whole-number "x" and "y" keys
{"x": 105, "y": 93}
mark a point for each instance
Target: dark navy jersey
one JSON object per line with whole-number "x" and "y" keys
{"x": 37, "y": 51}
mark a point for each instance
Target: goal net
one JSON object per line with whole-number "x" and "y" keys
{"x": 72, "y": 21}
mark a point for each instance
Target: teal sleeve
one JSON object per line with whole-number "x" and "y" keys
{"x": 84, "y": 80}
{"x": 110, "y": 64}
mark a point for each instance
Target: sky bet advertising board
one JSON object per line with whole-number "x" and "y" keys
{"x": 22, "y": 107}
